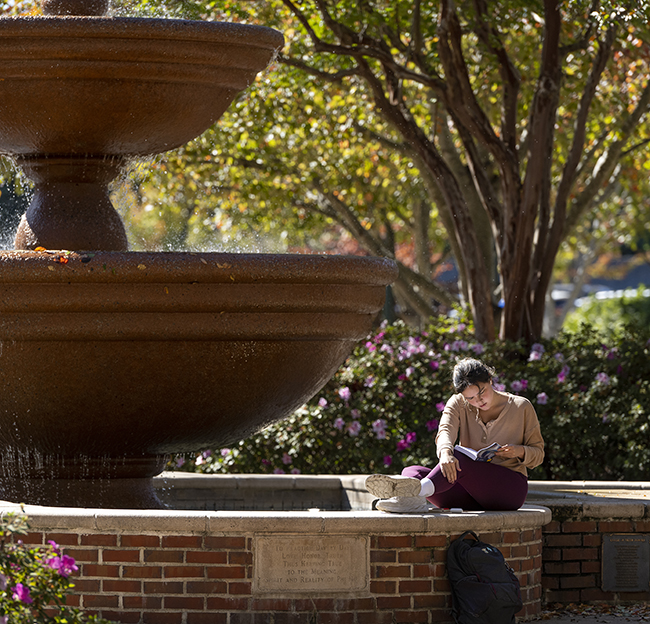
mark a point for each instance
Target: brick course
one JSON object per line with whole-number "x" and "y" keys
{"x": 192, "y": 579}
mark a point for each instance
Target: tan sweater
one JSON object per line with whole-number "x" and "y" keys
{"x": 517, "y": 424}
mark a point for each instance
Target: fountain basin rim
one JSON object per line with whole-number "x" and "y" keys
{"x": 89, "y": 27}
{"x": 53, "y": 266}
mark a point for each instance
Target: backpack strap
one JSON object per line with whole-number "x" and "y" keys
{"x": 464, "y": 535}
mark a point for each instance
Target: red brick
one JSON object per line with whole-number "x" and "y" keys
{"x": 32, "y": 538}
{"x": 642, "y": 526}
{"x": 207, "y": 618}
{"x": 430, "y": 541}
{"x": 592, "y": 594}
{"x": 590, "y": 567}
{"x": 118, "y": 586}
{"x": 142, "y": 602}
{"x": 411, "y": 616}
{"x": 72, "y": 600}
{"x": 552, "y": 527}
{"x": 315, "y": 604}
{"x": 240, "y": 588}
{"x": 130, "y": 556}
{"x": 163, "y": 587}
{"x": 162, "y": 618}
{"x": 99, "y": 601}
{"x": 529, "y": 536}
{"x": 184, "y": 603}
{"x": 616, "y": 527}
{"x": 424, "y": 571}
{"x": 63, "y": 539}
{"x": 94, "y": 569}
{"x": 577, "y": 582}
{"x": 270, "y": 604}
{"x": 441, "y": 615}
{"x": 429, "y": 601}
{"x": 512, "y": 538}
{"x": 92, "y": 556}
{"x": 206, "y": 556}
{"x": 414, "y": 587}
{"x": 98, "y": 540}
{"x": 230, "y": 543}
{"x": 383, "y": 587}
{"x": 393, "y": 602}
{"x": 375, "y": 617}
{"x": 569, "y": 567}
{"x": 592, "y": 540}
{"x": 226, "y": 572}
{"x": 579, "y": 554}
{"x": 579, "y": 526}
{"x": 139, "y": 541}
{"x": 90, "y": 586}
{"x": 550, "y": 582}
{"x": 492, "y": 538}
{"x": 184, "y": 572}
{"x": 222, "y": 603}
{"x": 414, "y": 556}
{"x": 394, "y": 541}
{"x": 143, "y": 572}
{"x": 122, "y": 617}
{"x": 206, "y": 587}
{"x": 563, "y": 596}
{"x": 164, "y": 556}
{"x": 240, "y": 558}
{"x": 559, "y": 541}
{"x": 182, "y": 541}
{"x": 441, "y": 585}
{"x": 331, "y": 617}
{"x": 383, "y": 556}
{"x": 393, "y": 571}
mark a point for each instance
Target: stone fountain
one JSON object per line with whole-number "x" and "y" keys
{"x": 111, "y": 359}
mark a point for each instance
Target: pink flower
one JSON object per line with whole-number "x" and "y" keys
{"x": 64, "y": 565}
{"x": 370, "y": 346}
{"x": 519, "y": 385}
{"x": 295, "y": 471}
{"x": 345, "y": 393}
{"x": 369, "y": 382}
{"x": 435, "y": 365}
{"x": 22, "y": 594}
{"x": 224, "y": 452}
{"x": 355, "y": 413}
{"x": 603, "y": 378}
{"x": 478, "y": 348}
{"x": 399, "y": 393}
{"x": 440, "y": 406}
{"x": 339, "y": 423}
{"x": 388, "y": 460}
{"x": 322, "y": 402}
{"x": 278, "y": 471}
{"x": 402, "y": 445}
{"x": 354, "y": 428}
{"x": 432, "y": 425}
{"x": 381, "y": 434}
{"x": 378, "y": 424}
{"x": 286, "y": 459}
{"x": 542, "y": 398}
{"x": 499, "y": 387}
{"x": 411, "y": 437}
{"x": 180, "y": 461}
{"x": 563, "y": 373}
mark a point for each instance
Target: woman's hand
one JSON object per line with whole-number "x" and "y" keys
{"x": 509, "y": 451}
{"x": 449, "y": 466}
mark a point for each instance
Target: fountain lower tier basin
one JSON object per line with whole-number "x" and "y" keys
{"x": 112, "y": 360}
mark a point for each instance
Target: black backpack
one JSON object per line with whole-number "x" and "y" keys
{"x": 484, "y": 588}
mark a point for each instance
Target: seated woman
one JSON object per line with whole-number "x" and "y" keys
{"x": 477, "y": 415}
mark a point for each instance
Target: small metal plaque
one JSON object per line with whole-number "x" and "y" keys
{"x": 314, "y": 564}
{"x": 626, "y": 563}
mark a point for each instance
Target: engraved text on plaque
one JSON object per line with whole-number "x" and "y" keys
{"x": 311, "y": 564}
{"x": 626, "y": 562}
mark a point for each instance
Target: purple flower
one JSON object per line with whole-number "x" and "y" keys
{"x": 180, "y": 461}
{"x": 402, "y": 445}
{"x": 409, "y": 371}
{"x": 339, "y": 423}
{"x": 434, "y": 364}
{"x": 3, "y": 582}
{"x": 440, "y": 406}
{"x": 399, "y": 393}
{"x": 378, "y": 424}
{"x": 224, "y": 452}
{"x": 286, "y": 459}
{"x": 355, "y": 413}
{"x": 499, "y": 387}
{"x": 322, "y": 402}
{"x": 542, "y": 398}
{"x": 461, "y": 327}
{"x": 266, "y": 462}
{"x": 21, "y": 593}
{"x": 387, "y": 348}
{"x": 432, "y": 425}
{"x": 538, "y": 348}
{"x": 478, "y": 348}
{"x": 64, "y": 565}
{"x": 388, "y": 460}
{"x": 605, "y": 418}
{"x": 53, "y": 544}
{"x": 370, "y": 346}
{"x": 278, "y": 471}
{"x": 207, "y": 454}
{"x": 369, "y": 382}
{"x": 354, "y": 428}
{"x": 345, "y": 393}
{"x": 534, "y": 356}
{"x": 295, "y": 471}
{"x": 4, "y": 619}
{"x": 519, "y": 385}
{"x": 381, "y": 434}
{"x": 559, "y": 357}
{"x": 411, "y": 437}
{"x": 561, "y": 377}
{"x": 603, "y": 378}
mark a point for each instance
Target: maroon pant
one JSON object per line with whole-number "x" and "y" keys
{"x": 480, "y": 486}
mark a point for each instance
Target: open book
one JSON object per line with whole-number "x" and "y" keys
{"x": 485, "y": 454}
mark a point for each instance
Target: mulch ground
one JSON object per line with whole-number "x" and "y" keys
{"x": 638, "y": 612}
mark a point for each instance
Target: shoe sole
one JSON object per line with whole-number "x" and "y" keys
{"x": 387, "y": 486}
{"x": 404, "y": 510}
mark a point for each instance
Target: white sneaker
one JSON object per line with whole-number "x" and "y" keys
{"x": 404, "y": 504}
{"x": 387, "y": 486}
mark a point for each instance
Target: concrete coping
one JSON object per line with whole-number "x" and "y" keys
{"x": 295, "y": 522}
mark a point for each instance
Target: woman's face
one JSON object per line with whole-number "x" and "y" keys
{"x": 480, "y": 395}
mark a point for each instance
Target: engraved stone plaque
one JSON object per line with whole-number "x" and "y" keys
{"x": 313, "y": 564}
{"x": 626, "y": 562}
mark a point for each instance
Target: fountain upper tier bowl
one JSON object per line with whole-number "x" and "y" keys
{"x": 94, "y": 86}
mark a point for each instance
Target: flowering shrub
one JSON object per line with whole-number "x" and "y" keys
{"x": 34, "y": 581}
{"x": 381, "y": 410}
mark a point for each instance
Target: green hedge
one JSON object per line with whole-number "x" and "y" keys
{"x": 380, "y": 411}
